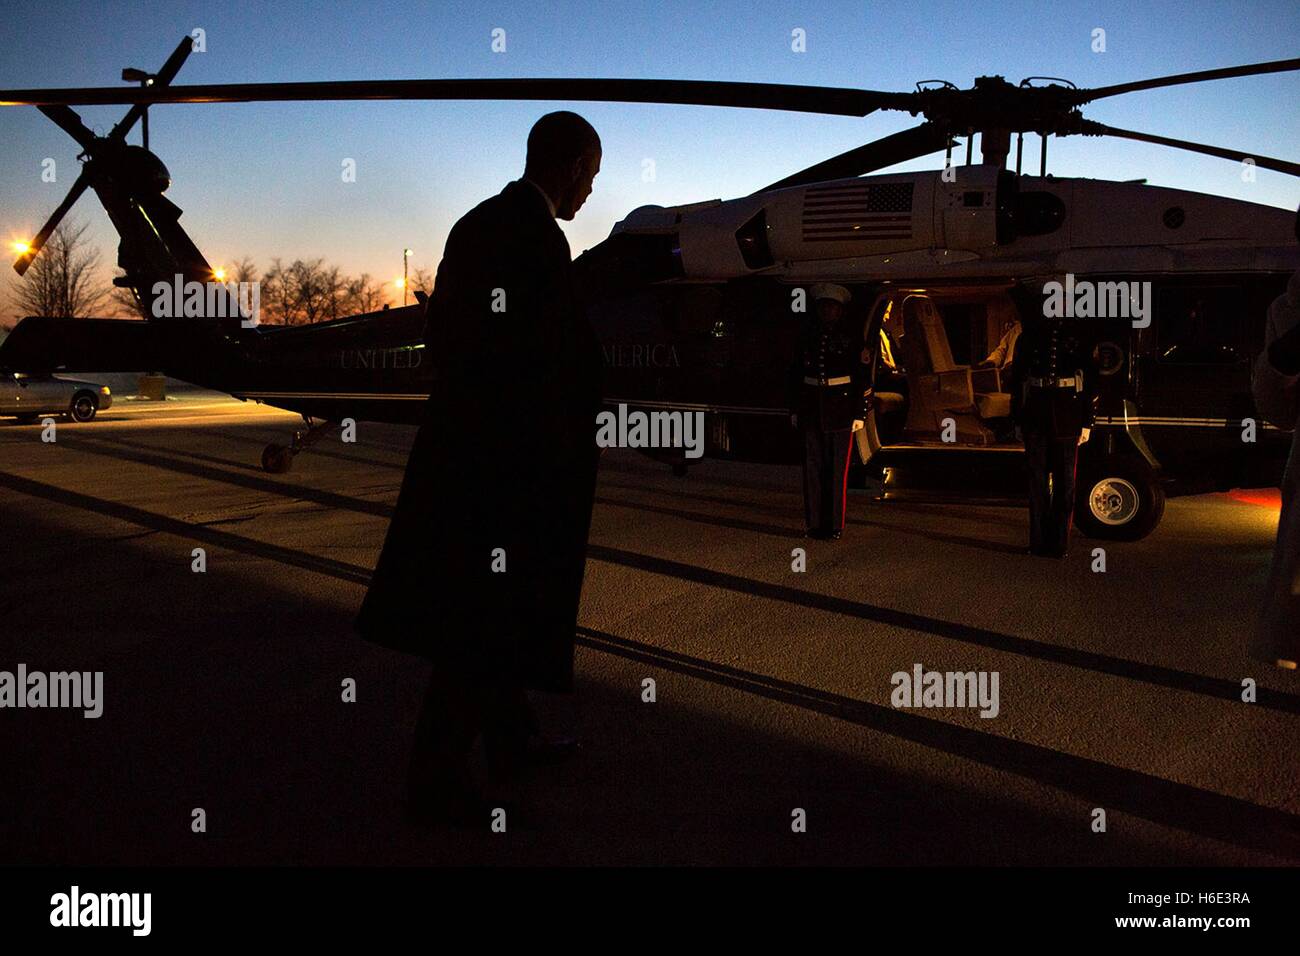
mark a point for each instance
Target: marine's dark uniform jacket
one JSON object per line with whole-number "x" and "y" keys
{"x": 1052, "y": 349}
{"x": 505, "y": 459}
{"x": 1053, "y": 385}
{"x": 833, "y": 355}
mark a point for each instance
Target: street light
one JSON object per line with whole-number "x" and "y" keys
{"x": 132, "y": 75}
{"x": 406, "y": 257}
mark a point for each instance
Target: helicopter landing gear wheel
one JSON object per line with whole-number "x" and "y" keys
{"x": 1119, "y": 499}
{"x": 277, "y": 459}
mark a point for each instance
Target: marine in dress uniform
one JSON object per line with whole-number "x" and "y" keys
{"x": 1052, "y": 395}
{"x": 829, "y": 405}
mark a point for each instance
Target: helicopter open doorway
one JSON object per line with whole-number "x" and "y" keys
{"x": 1173, "y": 398}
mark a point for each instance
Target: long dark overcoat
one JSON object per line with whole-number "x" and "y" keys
{"x": 482, "y": 568}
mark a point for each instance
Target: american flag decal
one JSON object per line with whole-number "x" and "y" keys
{"x": 857, "y": 211}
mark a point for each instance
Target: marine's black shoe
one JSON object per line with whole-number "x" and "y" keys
{"x": 534, "y": 750}
{"x": 1039, "y": 553}
{"x": 452, "y": 807}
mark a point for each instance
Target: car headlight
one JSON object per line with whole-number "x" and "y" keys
{"x": 105, "y": 390}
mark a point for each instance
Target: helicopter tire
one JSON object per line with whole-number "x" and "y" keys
{"x": 277, "y": 459}
{"x": 1118, "y": 499}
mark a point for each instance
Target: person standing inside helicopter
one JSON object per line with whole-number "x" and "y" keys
{"x": 829, "y": 406}
{"x": 1052, "y": 397}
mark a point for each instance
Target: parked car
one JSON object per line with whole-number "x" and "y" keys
{"x": 28, "y": 397}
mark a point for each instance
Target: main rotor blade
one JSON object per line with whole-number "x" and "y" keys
{"x": 70, "y": 123}
{"x": 772, "y": 96}
{"x": 52, "y": 223}
{"x": 895, "y": 148}
{"x": 1253, "y": 69}
{"x": 163, "y": 77}
{"x": 1089, "y": 128}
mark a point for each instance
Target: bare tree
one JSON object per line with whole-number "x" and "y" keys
{"x": 275, "y": 298}
{"x": 242, "y": 271}
{"x": 299, "y": 293}
{"x": 63, "y": 280}
{"x": 363, "y": 294}
{"x": 126, "y": 302}
{"x": 421, "y": 279}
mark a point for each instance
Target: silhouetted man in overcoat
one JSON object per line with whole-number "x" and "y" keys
{"x": 482, "y": 568}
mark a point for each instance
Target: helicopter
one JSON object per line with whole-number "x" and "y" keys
{"x": 692, "y": 303}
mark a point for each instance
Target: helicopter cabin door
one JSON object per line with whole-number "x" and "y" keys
{"x": 1195, "y": 370}
{"x": 878, "y": 355}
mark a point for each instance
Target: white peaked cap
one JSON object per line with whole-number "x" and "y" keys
{"x": 828, "y": 290}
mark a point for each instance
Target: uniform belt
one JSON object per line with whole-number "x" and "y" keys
{"x": 1070, "y": 382}
{"x": 841, "y": 380}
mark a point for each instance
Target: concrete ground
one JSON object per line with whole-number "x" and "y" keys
{"x": 1119, "y": 691}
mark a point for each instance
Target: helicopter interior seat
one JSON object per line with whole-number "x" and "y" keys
{"x": 991, "y": 396}
{"x": 938, "y": 388}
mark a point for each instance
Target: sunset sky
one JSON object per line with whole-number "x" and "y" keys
{"x": 264, "y": 180}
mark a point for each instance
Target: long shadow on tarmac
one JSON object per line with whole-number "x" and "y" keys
{"x": 281, "y": 437}
{"x": 181, "y": 465}
{"x": 187, "y": 529}
{"x": 1162, "y": 801}
{"x": 239, "y": 705}
{"x": 187, "y": 464}
{"x": 737, "y": 524}
{"x": 966, "y": 541}
{"x": 982, "y": 637}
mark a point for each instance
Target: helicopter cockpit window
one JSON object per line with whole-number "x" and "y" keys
{"x": 698, "y": 309}
{"x": 752, "y": 240}
{"x": 1204, "y": 326}
{"x": 1038, "y": 213}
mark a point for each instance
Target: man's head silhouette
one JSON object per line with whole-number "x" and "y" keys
{"x": 563, "y": 159}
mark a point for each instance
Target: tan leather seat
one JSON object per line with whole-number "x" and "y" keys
{"x": 939, "y": 388}
{"x": 886, "y": 402}
{"x": 993, "y": 404}
{"x": 991, "y": 398}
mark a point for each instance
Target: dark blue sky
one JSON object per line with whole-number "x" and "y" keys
{"x": 264, "y": 180}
